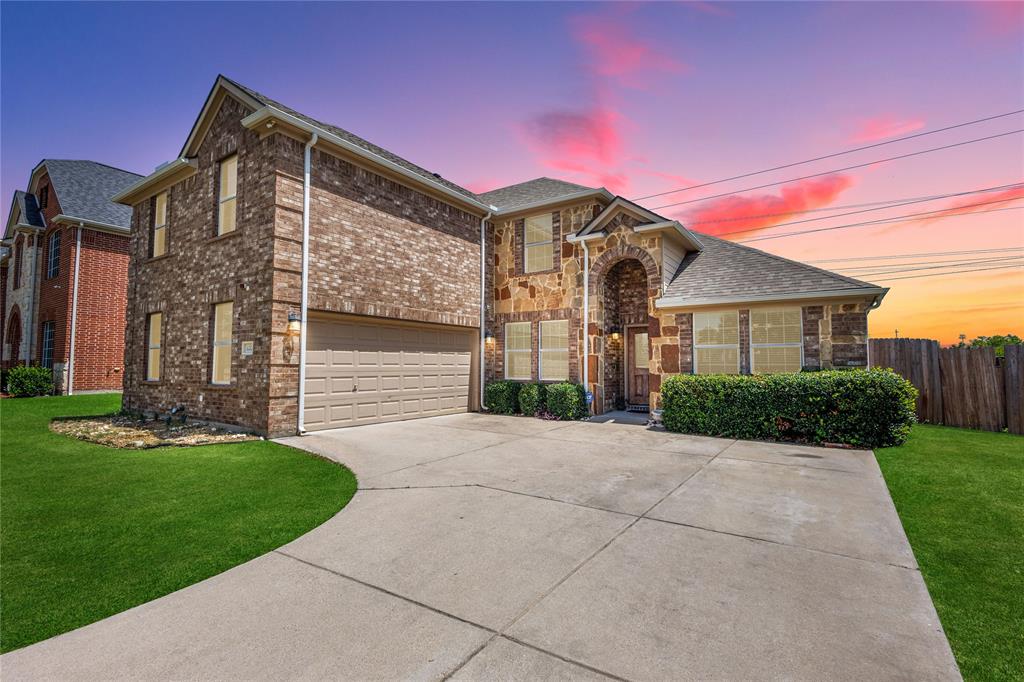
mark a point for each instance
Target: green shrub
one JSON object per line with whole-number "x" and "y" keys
{"x": 532, "y": 398}
{"x": 566, "y": 401}
{"x": 867, "y": 408}
{"x": 502, "y": 397}
{"x": 25, "y": 382}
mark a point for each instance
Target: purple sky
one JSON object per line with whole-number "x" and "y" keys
{"x": 641, "y": 98}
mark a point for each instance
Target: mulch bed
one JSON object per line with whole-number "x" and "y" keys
{"x": 128, "y": 432}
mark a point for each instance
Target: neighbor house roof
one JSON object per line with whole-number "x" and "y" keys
{"x": 536, "y": 192}
{"x": 354, "y": 139}
{"x": 84, "y": 190}
{"x": 728, "y": 272}
{"x": 28, "y": 209}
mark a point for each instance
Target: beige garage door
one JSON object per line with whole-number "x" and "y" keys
{"x": 362, "y": 372}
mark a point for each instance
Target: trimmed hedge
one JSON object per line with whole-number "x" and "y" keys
{"x": 867, "y": 408}
{"x": 566, "y": 401}
{"x": 532, "y": 398}
{"x": 502, "y": 397}
{"x": 28, "y": 382}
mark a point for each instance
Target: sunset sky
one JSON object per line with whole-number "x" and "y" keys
{"x": 639, "y": 98}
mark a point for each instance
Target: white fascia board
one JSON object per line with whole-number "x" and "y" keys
{"x": 687, "y": 236}
{"x": 683, "y": 302}
{"x": 62, "y": 219}
{"x": 256, "y": 118}
{"x": 159, "y": 174}
{"x": 584, "y": 194}
{"x": 586, "y": 238}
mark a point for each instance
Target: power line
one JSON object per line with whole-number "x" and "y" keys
{"x": 882, "y": 208}
{"x": 939, "y": 267}
{"x": 845, "y": 168}
{"x": 944, "y": 274}
{"x": 916, "y": 255}
{"x": 832, "y": 156}
{"x": 895, "y": 219}
{"x": 926, "y": 262}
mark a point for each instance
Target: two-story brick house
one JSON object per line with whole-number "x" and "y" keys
{"x": 65, "y": 281}
{"x": 288, "y": 275}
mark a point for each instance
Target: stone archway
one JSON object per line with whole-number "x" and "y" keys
{"x": 12, "y": 337}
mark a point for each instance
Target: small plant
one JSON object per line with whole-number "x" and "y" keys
{"x": 502, "y": 397}
{"x": 532, "y": 398}
{"x": 566, "y": 401}
{"x": 27, "y": 382}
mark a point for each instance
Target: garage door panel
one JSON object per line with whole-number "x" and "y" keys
{"x": 396, "y": 371}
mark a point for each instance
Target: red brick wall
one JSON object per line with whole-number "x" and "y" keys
{"x": 55, "y": 293}
{"x": 102, "y": 299}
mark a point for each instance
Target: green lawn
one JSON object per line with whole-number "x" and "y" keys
{"x": 960, "y": 495}
{"x": 87, "y": 531}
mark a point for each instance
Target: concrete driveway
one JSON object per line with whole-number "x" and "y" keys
{"x": 485, "y": 548}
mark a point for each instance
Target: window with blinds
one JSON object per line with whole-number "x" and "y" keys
{"x": 538, "y": 253}
{"x": 776, "y": 340}
{"x": 554, "y": 350}
{"x": 518, "y": 350}
{"x": 716, "y": 342}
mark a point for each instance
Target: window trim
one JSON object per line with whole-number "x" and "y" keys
{"x": 150, "y": 347}
{"x": 550, "y": 242}
{"x": 696, "y": 346}
{"x": 51, "y": 326}
{"x": 791, "y": 344}
{"x": 214, "y": 344}
{"x": 527, "y": 351}
{"x": 156, "y": 227}
{"x": 541, "y": 350}
{"x": 53, "y": 264}
{"x": 221, "y": 200}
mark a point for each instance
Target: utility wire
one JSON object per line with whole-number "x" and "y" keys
{"x": 882, "y": 208}
{"x": 832, "y": 156}
{"x": 895, "y": 219}
{"x": 940, "y": 267}
{"x": 916, "y": 255}
{"x": 943, "y": 274}
{"x": 845, "y": 168}
{"x": 925, "y": 262}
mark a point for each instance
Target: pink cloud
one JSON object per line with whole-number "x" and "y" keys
{"x": 1000, "y": 19}
{"x": 882, "y": 127}
{"x": 592, "y": 134}
{"x": 751, "y": 213}
{"x": 615, "y": 53}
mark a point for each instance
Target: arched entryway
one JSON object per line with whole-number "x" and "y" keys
{"x": 13, "y": 336}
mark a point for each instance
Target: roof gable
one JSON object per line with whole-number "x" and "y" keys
{"x": 649, "y": 222}
{"x": 24, "y": 213}
{"x": 84, "y": 190}
{"x": 537, "y": 192}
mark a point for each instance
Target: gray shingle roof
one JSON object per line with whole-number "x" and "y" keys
{"x": 84, "y": 189}
{"x": 29, "y": 209}
{"x": 530, "y": 192}
{"x": 354, "y": 139}
{"x": 728, "y": 270}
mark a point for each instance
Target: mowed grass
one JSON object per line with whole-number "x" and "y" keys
{"x": 960, "y": 495}
{"x": 88, "y": 531}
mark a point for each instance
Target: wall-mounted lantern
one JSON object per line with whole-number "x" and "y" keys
{"x": 616, "y": 331}
{"x": 488, "y": 337}
{"x": 294, "y": 324}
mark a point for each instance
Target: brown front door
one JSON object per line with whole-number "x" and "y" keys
{"x": 637, "y": 360}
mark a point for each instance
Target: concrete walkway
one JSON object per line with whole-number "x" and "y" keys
{"x": 484, "y": 548}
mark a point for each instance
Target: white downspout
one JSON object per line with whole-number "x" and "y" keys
{"x": 305, "y": 281}
{"x": 483, "y": 303}
{"x": 586, "y": 318}
{"x": 74, "y": 312}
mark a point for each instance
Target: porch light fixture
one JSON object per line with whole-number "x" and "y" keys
{"x": 615, "y": 330}
{"x": 294, "y": 324}
{"x": 488, "y": 336}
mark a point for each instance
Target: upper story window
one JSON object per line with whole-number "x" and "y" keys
{"x": 153, "y": 343}
{"x": 53, "y": 255}
{"x": 18, "y": 258}
{"x": 554, "y": 350}
{"x": 716, "y": 342}
{"x": 222, "y": 313}
{"x": 226, "y": 201}
{"x": 518, "y": 350}
{"x": 158, "y": 243}
{"x": 538, "y": 254}
{"x": 776, "y": 340}
{"x": 44, "y": 196}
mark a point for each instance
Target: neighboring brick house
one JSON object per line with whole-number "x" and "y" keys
{"x": 274, "y": 235}
{"x": 65, "y": 260}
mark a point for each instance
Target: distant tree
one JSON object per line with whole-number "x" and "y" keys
{"x": 997, "y": 341}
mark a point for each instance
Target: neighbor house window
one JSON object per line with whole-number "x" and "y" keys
{"x": 47, "y": 359}
{"x": 17, "y": 264}
{"x": 554, "y": 350}
{"x": 154, "y": 337}
{"x": 776, "y": 340}
{"x": 538, "y": 252}
{"x": 53, "y": 255}
{"x": 518, "y": 350}
{"x": 227, "y": 199}
{"x": 44, "y": 196}
{"x": 716, "y": 342}
{"x": 159, "y": 241}
{"x": 222, "y": 343}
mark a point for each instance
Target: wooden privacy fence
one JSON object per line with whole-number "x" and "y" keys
{"x": 968, "y": 387}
